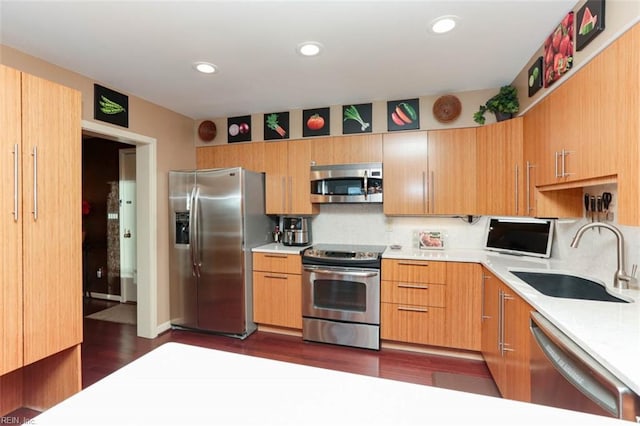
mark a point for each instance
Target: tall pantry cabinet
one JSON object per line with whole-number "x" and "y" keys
{"x": 41, "y": 249}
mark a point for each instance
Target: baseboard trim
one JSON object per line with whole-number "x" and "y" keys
{"x": 431, "y": 350}
{"x": 280, "y": 330}
{"x": 161, "y": 328}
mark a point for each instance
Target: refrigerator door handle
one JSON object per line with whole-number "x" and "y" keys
{"x": 192, "y": 230}
{"x": 196, "y": 240}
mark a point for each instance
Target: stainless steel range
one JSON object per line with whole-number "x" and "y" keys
{"x": 341, "y": 294}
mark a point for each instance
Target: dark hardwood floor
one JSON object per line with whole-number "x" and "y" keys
{"x": 107, "y": 346}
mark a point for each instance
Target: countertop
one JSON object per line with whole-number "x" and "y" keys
{"x": 609, "y": 332}
{"x": 279, "y": 248}
{"x": 181, "y": 384}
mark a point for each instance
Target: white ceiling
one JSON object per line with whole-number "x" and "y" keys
{"x": 373, "y": 50}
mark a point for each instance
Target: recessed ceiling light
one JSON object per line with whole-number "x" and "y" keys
{"x": 205, "y": 67}
{"x": 309, "y": 48}
{"x": 443, "y": 24}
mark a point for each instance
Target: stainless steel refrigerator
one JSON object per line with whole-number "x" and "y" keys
{"x": 216, "y": 217}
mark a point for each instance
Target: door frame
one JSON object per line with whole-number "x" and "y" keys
{"x": 146, "y": 220}
{"x": 124, "y": 283}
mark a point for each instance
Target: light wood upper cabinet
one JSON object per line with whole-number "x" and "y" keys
{"x": 405, "y": 158}
{"x": 249, "y": 155}
{"x": 10, "y": 222}
{"x": 452, "y": 171}
{"x": 365, "y": 148}
{"x": 287, "y": 168}
{"x": 501, "y": 174}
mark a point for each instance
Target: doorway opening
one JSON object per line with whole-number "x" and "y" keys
{"x": 145, "y": 220}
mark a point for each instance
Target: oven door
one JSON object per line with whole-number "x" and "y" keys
{"x": 343, "y": 294}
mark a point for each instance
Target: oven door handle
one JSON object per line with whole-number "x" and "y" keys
{"x": 361, "y": 274}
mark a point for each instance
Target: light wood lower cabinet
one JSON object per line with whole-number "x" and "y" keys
{"x": 505, "y": 338}
{"x": 431, "y": 303}
{"x": 40, "y": 259}
{"x": 277, "y": 290}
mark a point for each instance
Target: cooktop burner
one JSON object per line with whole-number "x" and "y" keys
{"x": 343, "y": 254}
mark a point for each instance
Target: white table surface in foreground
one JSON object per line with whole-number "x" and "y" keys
{"x": 187, "y": 385}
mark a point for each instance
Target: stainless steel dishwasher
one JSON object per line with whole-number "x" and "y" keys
{"x": 563, "y": 375}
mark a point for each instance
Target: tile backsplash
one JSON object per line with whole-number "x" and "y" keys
{"x": 366, "y": 224}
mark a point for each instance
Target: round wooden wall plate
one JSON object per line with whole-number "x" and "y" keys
{"x": 207, "y": 131}
{"x": 447, "y": 108}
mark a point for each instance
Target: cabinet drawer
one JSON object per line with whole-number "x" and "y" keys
{"x": 412, "y": 324}
{"x": 277, "y": 262}
{"x": 277, "y": 299}
{"x": 414, "y": 271}
{"x": 413, "y": 293}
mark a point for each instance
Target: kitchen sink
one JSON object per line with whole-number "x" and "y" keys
{"x": 567, "y": 286}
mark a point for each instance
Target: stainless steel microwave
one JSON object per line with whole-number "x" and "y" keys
{"x": 347, "y": 183}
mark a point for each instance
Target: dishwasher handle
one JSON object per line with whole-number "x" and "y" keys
{"x": 580, "y": 369}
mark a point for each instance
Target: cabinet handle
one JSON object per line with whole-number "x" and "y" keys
{"x": 482, "y": 302}
{"x": 284, "y": 193}
{"x": 15, "y": 182}
{"x": 556, "y": 164}
{"x": 432, "y": 192}
{"x": 412, "y": 264}
{"x": 412, "y": 309}
{"x": 529, "y": 167}
{"x": 421, "y": 287}
{"x": 517, "y": 193}
{"x": 500, "y": 321}
{"x": 424, "y": 189}
{"x": 290, "y": 194}
{"x": 504, "y": 346}
{"x": 279, "y": 256}
{"x": 564, "y": 154}
{"x": 35, "y": 183}
{"x": 277, "y": 277}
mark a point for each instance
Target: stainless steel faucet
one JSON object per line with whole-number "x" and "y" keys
{"x": 620, "y": 279}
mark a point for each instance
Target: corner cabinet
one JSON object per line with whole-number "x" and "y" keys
{"x": 505, "y": 338}
{"x": 277, "y": 290}
{"x": 41, "y": 257}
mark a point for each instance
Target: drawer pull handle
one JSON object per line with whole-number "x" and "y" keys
{"x": 412, "y": 309}
{"x": 279, "y": 256}
{"x": 277, "y": 277}
{"x": 421, "y": 287}
{"x": 412, "y": 264}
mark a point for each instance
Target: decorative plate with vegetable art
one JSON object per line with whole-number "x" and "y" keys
{"x": 403, "y": 115}
{"x": 356, "y": 119}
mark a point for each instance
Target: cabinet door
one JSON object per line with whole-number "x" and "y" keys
{"x": 276, "y": 177}
{"x": 517, "y": 376}
{"x": 248, "y": 155}
{"x": 491, "y": 322}
{"x": 277, "y": 299}
{"x": 405, "y": 173}
{"x": 357, "y": 149}
{"x": 412, "y": 324}
{"x": 322, "y": 151}
{"x": 452, "y": 171}
{"x": 464, "y": 305}
{"x": 10, "y": 222}
{"x": 210, "y": 157}
{"x": 52, "y": 240}
{"x": 500, "y": 170}
{"x": 537, "y": 153}
{"x": 299, "y": 166}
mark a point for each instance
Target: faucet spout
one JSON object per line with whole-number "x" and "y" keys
{"x": 620, "y": 279}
